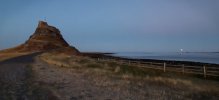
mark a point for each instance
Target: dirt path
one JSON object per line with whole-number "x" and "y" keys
{"x": 13, "y": 77}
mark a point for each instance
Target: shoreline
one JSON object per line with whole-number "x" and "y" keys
{"x": 175, "y": 62}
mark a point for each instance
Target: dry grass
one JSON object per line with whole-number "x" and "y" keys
{"x": 5, "y": 56}
{"x": 116, "y": 76}
{"x": 63, "y": 60}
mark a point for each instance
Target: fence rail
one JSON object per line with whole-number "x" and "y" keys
{"x": 198, "y": 70}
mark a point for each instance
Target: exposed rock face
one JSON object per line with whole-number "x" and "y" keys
{"x": 45, "y": 38}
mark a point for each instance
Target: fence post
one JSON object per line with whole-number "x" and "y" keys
{"x": 129, "y": 62}
{"x": 183, "y": 69}
{"x": 164, "y": 67}
{"x": 98, "y": 59}
{"x": 204, "y": 69}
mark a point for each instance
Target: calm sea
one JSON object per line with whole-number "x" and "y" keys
{"x": 195, "y": 57}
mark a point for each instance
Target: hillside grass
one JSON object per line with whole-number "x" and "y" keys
{"x": 6, "y": 56}
{"x": 130, "y": 72}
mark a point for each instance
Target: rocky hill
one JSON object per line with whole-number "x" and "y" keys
{"x": 44, "y": 38}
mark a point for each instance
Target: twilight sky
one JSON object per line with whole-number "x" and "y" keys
{"x": 116, "y": 25}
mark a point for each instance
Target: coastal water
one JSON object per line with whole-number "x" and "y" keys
{"x": 177, "y": 56}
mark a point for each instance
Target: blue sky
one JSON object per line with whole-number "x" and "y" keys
{"x": 116, "y": 25}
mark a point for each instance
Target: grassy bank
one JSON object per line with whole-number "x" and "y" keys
{"x": 198, "y": 88}
{"x": 5, "y": 56}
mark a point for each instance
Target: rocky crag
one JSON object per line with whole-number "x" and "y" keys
{"x": 45, "y": 38}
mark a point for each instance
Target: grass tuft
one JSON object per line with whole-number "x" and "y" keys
{"x": 83, "y": 61}
{"x": 93, "y": 65}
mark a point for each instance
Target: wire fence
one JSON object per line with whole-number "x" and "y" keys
{"x": 181, "y": 68}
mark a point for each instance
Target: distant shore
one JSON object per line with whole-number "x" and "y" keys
{"x": 175, "y": 62}
{"x": 200, "y": 52}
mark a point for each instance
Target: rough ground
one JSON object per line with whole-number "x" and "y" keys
{"x": 17, "y": 81}
{"x": 14, "y": 76}
{"x": 31, "y": 78}
{"x": 78, "y": 82}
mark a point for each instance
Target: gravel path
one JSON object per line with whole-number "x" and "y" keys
{"x": 13, "y": 77}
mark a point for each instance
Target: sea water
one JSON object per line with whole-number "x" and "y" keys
{"x": 176, "y": 56}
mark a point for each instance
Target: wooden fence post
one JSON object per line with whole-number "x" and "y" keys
{"x": 129, "y": 62}
{"x": 204, "y": 69}
{"x": 164, "y": 67}
{"x": 98, "y": 59}
{"x": 183, "y": 69}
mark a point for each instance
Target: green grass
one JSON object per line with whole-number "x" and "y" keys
{"x": 141, "y": 72}
{"x": 112, "y": 64}
{"x": 125, "y": 69}
{"x": 83, "y": 61}
{"x": 94, "y": 65}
